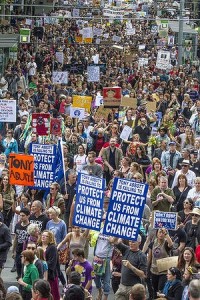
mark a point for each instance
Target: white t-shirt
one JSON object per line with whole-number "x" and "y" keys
{"x": 80, "y": 161}
{"x": 31, "y": 68}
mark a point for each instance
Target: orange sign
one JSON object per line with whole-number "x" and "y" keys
{"x": 87, "y": 40}
{"x": 21, "y": 169}
{"x": 79, "y": 39}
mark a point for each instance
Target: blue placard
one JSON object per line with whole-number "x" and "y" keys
{"x": 44, "y": 165}
{"x": 125, "y": 209}
{"x": 167, "y": 220}
{"x": 89, "y": 202}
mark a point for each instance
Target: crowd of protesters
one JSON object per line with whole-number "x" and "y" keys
{"x": 162, "y": 150}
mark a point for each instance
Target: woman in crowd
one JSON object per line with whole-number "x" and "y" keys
{"x": 187, "y": 209}
{"x": 9, "y": 143}
{"x": 48, "y": 244}
{"x": 159, "y": 249}
{"x": 33, "y": 232}
{"x": 141, "y": 158}
{"x": 187, "y": 259}
{"x": 30, "y": 274}
{"x": 41, "y": 290}
{"x": 134, "y": 168}
{"x": 180, "y": 191}
{"x": 56, "y": 225}
{"x": 156, "y": 168}
{"x": 173, "y": 288}
{"x": 125, "y": 166}
{"x": 75, "y": 239}
{"x": 2, "y": 162}
{"x": 80, "y": 132}
{"x": 7, "y": 195}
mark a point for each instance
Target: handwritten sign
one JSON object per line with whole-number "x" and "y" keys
{"x": 8, "y": 110}
{"x": 112, "y": 96}
{"x": 21, "y": 169}
{"x": 82, "y": 102}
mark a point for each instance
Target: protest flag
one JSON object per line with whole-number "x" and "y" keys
{"x": 59, "y": 165}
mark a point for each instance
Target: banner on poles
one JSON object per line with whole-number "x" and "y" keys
{"x": 44, "y": 164}
{"x": 89, "y": 202}
{"x": 125, "y": 209}
{"x": 21, "y": 169}
{"x": 8, "y": 110}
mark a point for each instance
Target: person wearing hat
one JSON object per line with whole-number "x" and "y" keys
{"x": 5, "y": 242}
{"x": 185, "y": 169}
{"x": 192, "y": 229}
{"x": 194, "y": 162}
{"x": 12, "y": 289}
{"x": 169, "y": 160}
{"x": 185, "y": 156}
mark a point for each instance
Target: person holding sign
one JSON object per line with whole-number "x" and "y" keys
{"x": 158, "y": 249}
{"x": 134, "y": 267}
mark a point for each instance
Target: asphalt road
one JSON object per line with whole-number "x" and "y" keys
{"x": 9, "y": 278}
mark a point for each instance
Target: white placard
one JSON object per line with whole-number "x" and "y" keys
{"x": 98, "y": 100}
{"x": 163, "y": 59}
{"x": 141, "y": 47}
{"x": 60, "y": 57}
{"x": 95, "y": 58}
{"x": 87, "y": 32}
{"x": 125, "y": 133}
{"x": 93, "y": 73}
{"x": 60, "y": 77}
{"x": 143, "y": 61}
{"x": 116, "y": 38}
{"x": 77, "y": 113}
{"x": 98, "y": 41}
{"x": 75, "y": 13}
{"x": 8, "y": 110}
{"x": 130, "y": 31}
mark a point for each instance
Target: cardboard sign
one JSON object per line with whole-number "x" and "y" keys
{"x": 103, "y": 112}
{"x": 60, "y": 77}
{"x": 127, "y": 101}
{"x": 167, "y": 220}
{"x": 125, "y": 133}
{"x": 41, "y": 123}
{"x": 151, "y": 106}
{"x": 55, "y": 126}
{"x": 8, "y": 110}
{"x": 21, "y": 169}
{"x": 112, "y": 96}
{"x": 44, "y": 164}
{"x": 164, "y": 264}
{"x": 89, "y": 202}
{"x": 93, "y": 73}
{"x": 125, "y": 209}
{"x": 82, "y": 102}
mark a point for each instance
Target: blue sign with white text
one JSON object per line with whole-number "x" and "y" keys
{"x": 44, "y": 165}
{"x": 167, "y": 220}
{"x": 125, "y": 209}
{"x": 89, "y": 202}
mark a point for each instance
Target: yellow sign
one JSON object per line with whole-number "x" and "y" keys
{"x": 78, "y": 38}
{"x": 87, "y": 40}
{"x": 82, "y": 102}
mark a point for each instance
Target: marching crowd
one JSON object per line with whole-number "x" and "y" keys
{"x": 162, "y": 150}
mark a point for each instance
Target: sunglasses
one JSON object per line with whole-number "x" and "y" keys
{"x": 185, "y": 166}
{"x": 195, "y": 215}
{"x": 31, "y": 248}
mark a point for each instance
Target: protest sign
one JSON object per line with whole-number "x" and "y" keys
{"x": 8, "y": 110}
{"x": 41, "y": 123}
{"x": 89, "y": 202}
{"x": 98, "y": 100}
{"x": 60, "y": 58}
{"x": 75, "y": 12}
{"x": 44, "y": 164}
{"x": 82, "y": 102}
{"x": 127, "y": 101}
{"x": 87, "y": 32}
{"x": 59, "y": 77}
{"x": 77, "y": 113}
{"x": 125, "y": 209}
{"x": 163, "y": 59}
{"x": 55, "y": 126}
{"x": 103, "y": 112}
{"x": 163, "y": 28}
{"x": 168, "y": 220}
{"x": 151, "y": 105}
{"x": 112, "y": 96}
{"x": 21, "y": 169}
{"x": 164, "y": 264}
{"x": 78, "y": 38}
{"x": 125, "y": 133}
{"x": 93, "y": 73}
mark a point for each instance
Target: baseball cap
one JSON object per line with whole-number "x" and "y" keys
{"x": 195, "y": 152}
{"x": 172, "y": 143}
{"x": 12, "y": 289}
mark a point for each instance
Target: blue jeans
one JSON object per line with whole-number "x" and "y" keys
{"x": 104, "y": 280}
